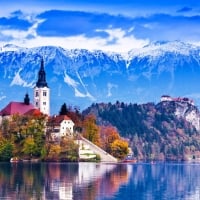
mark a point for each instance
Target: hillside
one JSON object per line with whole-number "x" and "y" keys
{"x": 166, "y": 130}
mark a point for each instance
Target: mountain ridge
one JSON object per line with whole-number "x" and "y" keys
{"x": 80, "y": 77}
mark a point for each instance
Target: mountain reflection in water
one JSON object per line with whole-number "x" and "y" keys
{"x": 99, "y": 181}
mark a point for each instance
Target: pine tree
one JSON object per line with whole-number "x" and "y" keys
{"x": 63, "y": 110}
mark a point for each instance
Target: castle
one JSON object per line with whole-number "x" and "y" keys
{"x": 178, "y": 99}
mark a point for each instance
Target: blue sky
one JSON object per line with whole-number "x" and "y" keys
{"x": 114, "y": 25}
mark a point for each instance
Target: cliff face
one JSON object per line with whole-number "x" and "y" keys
{"x": 188, "y": 112}
{"x": 182, "y": 110}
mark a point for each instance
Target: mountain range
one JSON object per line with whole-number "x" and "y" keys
{"x": 79, "y": 77}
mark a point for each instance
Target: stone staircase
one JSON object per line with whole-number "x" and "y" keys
{"x": 105, "y": 157}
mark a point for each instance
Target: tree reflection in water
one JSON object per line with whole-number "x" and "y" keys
{"x": 60, "y": 180}
{"x": 99, "y": 181}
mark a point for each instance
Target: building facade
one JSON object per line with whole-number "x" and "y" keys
{"x": 60, "y": 126}
{"x": 42, "y": 92}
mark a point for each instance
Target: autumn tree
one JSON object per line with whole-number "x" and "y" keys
{"x": 53, "y": 152}
{"x": 108, "y": 135}
{"x": 119, "y": 148}
{"x": 5, "y": 129}
{"x": 91, "y": 130}
{"x": 69, "y": 149}
{"x": 6, "y": 149}
{"x": 29, "y": 147}
{"x": 23, "y": 131}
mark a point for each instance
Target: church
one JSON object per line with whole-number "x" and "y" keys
{"x": 41, "y": 99}
{"x": 62, "y": 125}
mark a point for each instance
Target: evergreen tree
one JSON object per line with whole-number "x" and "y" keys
{"x": 63, "y": 110}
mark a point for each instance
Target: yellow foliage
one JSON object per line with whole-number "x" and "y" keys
{"x": 119, "y": 148}
{"x": 54, "y": 151}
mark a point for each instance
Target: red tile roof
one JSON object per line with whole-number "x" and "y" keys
{"x": 16, "y": 108}
{"x": 33, "y": 111}
{"x": 56, "y": 120}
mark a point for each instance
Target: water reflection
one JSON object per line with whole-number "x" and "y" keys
{"x": 164, "y": 181}
{"x": 90, "y": 181}
{"x": 60, "y": 180}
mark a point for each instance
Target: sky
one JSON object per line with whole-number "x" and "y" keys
{"x": 108, "y": 25}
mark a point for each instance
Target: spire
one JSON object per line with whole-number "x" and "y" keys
{"x": 26, "y": 99}
{"x": 41, "y": 76}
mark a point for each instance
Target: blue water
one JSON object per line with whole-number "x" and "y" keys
{"x": 98, "y": 181}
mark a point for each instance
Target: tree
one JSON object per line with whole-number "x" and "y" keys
{"x": 5, "y": 130}
{"x": 91, "y": 130}
{"x": 69, "y": 150}
{"x": 53, "y": 152}
{"x": 119, "y": 148}
{"x": 24, "y": 127}
{"x": 6, "y": 149}
{"x": 108, "y": 135}
{"x": 29, "y": 147}
{"x": 63, "y": 110}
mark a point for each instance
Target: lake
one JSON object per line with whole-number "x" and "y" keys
{"x": 99, "y": 181}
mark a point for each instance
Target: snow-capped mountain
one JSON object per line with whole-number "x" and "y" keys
{"x": 79, "y": 77}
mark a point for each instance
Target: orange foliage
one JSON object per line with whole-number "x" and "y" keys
{"x": 91, "y": 130}
{"x": 108, "y": 135}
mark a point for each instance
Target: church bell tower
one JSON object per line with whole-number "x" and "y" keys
{"x": 42, "y": 92}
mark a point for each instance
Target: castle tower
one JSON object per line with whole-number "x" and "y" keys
{"x": 42, "y": 92}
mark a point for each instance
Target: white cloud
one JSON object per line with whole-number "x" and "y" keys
{"x": 123, "y": 42}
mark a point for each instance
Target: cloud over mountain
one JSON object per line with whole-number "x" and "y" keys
{"x": 108, "y": 26}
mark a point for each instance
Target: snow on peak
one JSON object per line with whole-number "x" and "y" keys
{"x": 10, "y": 47}
{"x": 158, "y": 48}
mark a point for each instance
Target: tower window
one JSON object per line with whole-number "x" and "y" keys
{"x": 45, "y": 94}
{"x": 36, "y": 104}
{"x": 44, "y": 103}
{"x": 36, "y": 94}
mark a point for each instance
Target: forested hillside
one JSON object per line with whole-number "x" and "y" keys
{"x": 155, "y": 131}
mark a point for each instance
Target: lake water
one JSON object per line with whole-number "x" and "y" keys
{"x": 98, "y": 181}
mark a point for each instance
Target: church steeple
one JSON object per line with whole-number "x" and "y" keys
{"x": 41, "y": 76}
{"x": 42, "y": 92}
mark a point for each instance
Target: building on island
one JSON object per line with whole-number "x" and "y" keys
{"x": 41, "y": 99}
{"x": 60, "y": 126}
